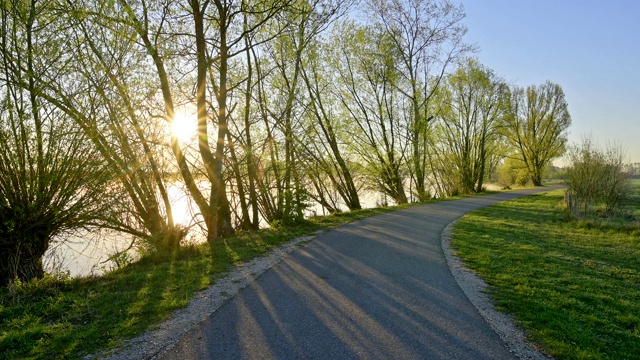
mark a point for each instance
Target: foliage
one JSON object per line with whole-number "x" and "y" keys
{"x": 505, "y": 176}
{"x": 633, "y": 169}
{"x": 535, "y": 125}
{"x": 367, "y": 69}
{"x": 466, "y": 138}
{"x": 51, "y": 181}
{"x": 511, "y": 172}
{"x": 572, "y": 285}
{"x": 596, "y": 176}
{"x": 326, "y": 153}
{"x": 554, "y": 173}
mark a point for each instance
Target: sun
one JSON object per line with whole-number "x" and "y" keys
{"x": 184, "y": 126}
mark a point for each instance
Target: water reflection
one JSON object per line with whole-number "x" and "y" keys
{"x": 87, "y": 253}
{"x": 181, "y": 205}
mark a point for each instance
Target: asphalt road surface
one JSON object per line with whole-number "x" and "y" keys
{"x": 378, "y": 288}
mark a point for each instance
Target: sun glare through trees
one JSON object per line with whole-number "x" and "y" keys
{"x": 184, "y": 126}
{"x": 300, "y": 105}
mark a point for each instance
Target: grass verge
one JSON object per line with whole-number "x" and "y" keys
{"x": 61, "y": 318}
{"x": 575, "y": 286}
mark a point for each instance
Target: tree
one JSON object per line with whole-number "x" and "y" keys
{"x": 426, "y": 36}
{"x": 535, "y": 125}
{"x": 284, "y": 106}
{"x": 367, "y": 74}
{"x": 324, "y": 136}
{"x": 470, "y": 105}
{"x": 633, "y": 169}
{"x": 52, "y": 181}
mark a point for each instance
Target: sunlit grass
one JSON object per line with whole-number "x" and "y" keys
{"x": 574, "y": 285}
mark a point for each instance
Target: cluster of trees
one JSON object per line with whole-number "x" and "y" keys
{"x": 295, "y": 102}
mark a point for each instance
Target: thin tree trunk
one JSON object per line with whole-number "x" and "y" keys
{"x": 245, "y": 222}
{"x": 251, "y": 168}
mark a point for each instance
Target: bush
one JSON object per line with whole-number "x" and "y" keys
{"x": 510, "y": 173}
{"x": 596, "y": 176}
{"x": 51, "y": 183}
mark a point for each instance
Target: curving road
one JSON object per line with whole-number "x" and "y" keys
{"x": 378, "y": 288}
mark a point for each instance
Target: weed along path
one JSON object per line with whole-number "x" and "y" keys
{"x": 378, "y": 288}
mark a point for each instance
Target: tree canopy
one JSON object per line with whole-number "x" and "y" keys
{"x": 292, "y": 106}
{"x": 536, "y": 124}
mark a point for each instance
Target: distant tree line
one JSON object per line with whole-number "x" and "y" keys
{"x": 295, "y": 100}
{"x": 633, "y": 169}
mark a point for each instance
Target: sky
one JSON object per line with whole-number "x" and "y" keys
{"x": 591, "y": 48}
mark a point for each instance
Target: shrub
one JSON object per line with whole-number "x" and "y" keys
{"x": 512, "y": 172}
{"x": 596, "y": 176}
{"x": 51, "y": 183}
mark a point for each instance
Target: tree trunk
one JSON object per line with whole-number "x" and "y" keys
{"x": 536, "y": 176}
{"x": 251, "y": 169}
{"x": 22, "y": 259}
{"x": 224, "y": 225}
{"x": 245, "y": 221}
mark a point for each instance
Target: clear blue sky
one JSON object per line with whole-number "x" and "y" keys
{"x": 591, "y": 48}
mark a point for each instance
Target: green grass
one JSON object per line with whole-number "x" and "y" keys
{"x": 58, "y": 318}
{"x": 575, "y": 286}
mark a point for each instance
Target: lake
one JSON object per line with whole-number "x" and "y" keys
{"x": 87, "y": 253}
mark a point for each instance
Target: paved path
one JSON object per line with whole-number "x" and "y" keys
{"x": 378, "y": 288}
